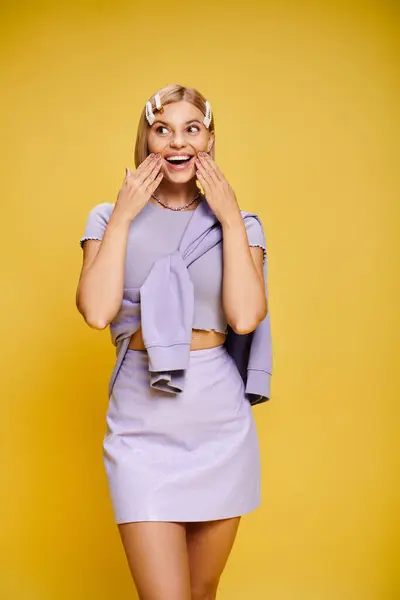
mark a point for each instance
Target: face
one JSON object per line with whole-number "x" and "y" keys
{"x": 179, "y": 132}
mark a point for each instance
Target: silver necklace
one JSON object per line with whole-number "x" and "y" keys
{"x": 179, "y": 207}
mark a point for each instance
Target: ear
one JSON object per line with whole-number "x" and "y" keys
{"x": 210, "y": 142}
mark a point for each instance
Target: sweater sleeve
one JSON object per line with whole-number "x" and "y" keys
{"x": 96, "y": 222}
{"x": 255, "y": 233}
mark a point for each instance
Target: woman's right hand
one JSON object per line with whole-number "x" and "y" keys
{"x": 138, "y": 187}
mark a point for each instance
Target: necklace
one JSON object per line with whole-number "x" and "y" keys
{"x": 179, "y": 207}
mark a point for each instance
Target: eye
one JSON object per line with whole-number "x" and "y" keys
{"x": 160, "y": 127}
{"x": 195, "y": 127}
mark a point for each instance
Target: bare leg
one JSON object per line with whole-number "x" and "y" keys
{"x": 157, "y": 557}
{"x": 209, "y": 544}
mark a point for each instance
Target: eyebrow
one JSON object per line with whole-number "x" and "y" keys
{"x": 186, "y": 122}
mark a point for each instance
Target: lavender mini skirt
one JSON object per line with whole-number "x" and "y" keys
{"x": 192, "y": 456}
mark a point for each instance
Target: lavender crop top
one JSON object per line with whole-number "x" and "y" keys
{"x": 156, "y": 232}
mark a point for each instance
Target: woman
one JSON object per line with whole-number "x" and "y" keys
{"x": 181, "y": 450}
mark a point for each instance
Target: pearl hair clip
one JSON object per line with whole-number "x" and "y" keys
{"x": 151, "y": 118}
{"x": 149, "y": 110}
{"x": 207, "y": 118}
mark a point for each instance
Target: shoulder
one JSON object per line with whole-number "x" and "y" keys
{"x": 255, "y": 231}
{"x": 96, "y": 221}
{"x": 254, "y": 226}
{"x": 102, "y": 211}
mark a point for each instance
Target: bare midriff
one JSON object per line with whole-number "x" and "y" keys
{"x": 201, "y": 339}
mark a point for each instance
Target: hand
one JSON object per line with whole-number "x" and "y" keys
{"x": 138, "y": 187}
{"x": 219, "y": 193}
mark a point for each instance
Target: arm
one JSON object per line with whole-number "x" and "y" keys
{"x": 243, "y": 289}
{"x": 101, "y": 282}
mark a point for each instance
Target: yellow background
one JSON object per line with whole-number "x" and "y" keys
{"x": 306, "y": 102}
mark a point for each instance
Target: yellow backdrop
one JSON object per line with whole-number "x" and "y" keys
{"x": 306, "y": 100}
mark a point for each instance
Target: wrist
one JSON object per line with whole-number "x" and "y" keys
{"x": 232, "y": 220}
{"x": 119, "y": 219}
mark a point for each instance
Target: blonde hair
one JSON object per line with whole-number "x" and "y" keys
{"x": 168, "y": 95}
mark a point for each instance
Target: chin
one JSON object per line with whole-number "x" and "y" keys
{"x": 179, "y": 177}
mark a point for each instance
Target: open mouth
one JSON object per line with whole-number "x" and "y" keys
{"x": 177, "y": 163}
{"x": 180, "y": 161}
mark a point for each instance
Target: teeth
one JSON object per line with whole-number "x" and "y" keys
{"x": 178, "y": 157}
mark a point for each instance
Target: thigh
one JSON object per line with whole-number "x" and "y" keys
{"x": 157, "y": 557}
{"x": 209, "y": 544}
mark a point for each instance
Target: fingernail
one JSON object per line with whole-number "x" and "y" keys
{"x": 152, "y": 155}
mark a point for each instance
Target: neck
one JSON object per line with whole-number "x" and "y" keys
{"x": 176, "y": 194}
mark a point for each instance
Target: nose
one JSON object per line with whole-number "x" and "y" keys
{"x": 177, "y": 140}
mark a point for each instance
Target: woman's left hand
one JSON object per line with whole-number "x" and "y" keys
{"x": 220, "y": 196}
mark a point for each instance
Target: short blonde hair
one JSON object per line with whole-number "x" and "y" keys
{"x": 168, "y": 94}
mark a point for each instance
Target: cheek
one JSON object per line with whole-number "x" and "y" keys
{"x": 155, "y": 143}
{"x": 200, "y": 143}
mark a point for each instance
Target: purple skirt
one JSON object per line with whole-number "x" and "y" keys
{"x": 192, "y": 456}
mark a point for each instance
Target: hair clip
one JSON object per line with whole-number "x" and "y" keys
{"x": 159, "y": 106}
{"x": 208, "y": 117}
{"x": 149, "y": 114}
{"x": 149, "y": 109}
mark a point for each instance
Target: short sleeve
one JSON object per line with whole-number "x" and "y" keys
{"x": 96, "y": 222}
{"x": 255, "y": 233}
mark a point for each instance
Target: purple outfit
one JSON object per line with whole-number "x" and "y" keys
{"x": 181, "y": 441}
